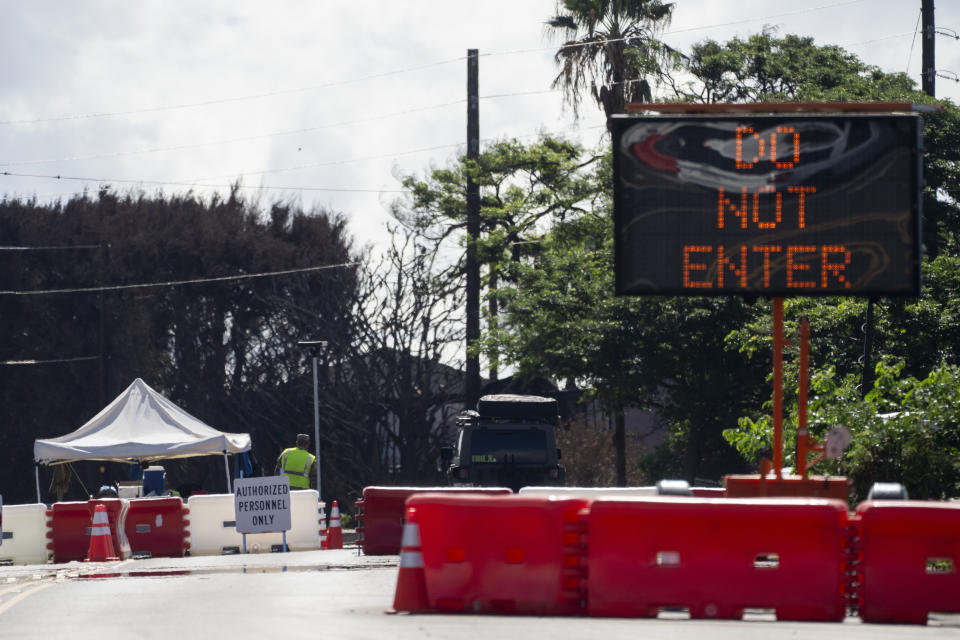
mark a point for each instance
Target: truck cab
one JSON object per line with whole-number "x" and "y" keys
{"x": 509, "y": 441}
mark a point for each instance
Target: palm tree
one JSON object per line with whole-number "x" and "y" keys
{"x": 612, "y": 50}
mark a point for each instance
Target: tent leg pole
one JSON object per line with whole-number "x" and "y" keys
{"x": 226, "y": 468}
{"x": 36, "y": 473}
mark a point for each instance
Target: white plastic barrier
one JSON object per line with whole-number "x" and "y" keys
{"x": 24, "y": 534}
{"x": 213, "y": 529}
{"x": 589, "y": 492}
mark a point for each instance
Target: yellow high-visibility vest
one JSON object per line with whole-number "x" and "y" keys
{"x": 296, "y": 463}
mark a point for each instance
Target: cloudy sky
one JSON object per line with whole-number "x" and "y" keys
{"x": 328, "y": 102}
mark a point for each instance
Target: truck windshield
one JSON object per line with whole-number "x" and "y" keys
{"x": 508, "y": 445}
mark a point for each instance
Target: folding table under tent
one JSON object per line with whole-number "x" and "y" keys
{"x": 140, "y": 424}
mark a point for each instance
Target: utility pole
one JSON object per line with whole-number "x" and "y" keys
{"x": 472, "y": 382}
{"x": 313, "y": 346}
{"x": 493, "y": 310}
{"x": 928, "y": 76}
{"x": 929, "y": 31}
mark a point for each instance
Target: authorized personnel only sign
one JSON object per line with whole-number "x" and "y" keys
{"x": 262, "y": 504}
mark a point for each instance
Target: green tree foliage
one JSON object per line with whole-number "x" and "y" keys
{"x": 941, "y": 173}
{"x": 920, "y": 332}
{"x": 562, "y": 319}
{"x": 765, "y": 68}
{"x": 904, "y": 430}
{"x": 917, "y": 439}
{"x": 611, "y": 52}
{"x": 523, "y": 190}
{"x": 399, "y": 390}
{"x": 916, "y": 333}
{"x": 919, "y": 335}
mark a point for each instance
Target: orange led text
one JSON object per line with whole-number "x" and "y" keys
{"x": 802, "y": 266}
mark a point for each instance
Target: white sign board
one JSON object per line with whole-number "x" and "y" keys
{"x": 836, "y": 442}
{"x": 262, "y": 504}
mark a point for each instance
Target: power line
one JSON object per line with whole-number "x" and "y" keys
{"x": 676, "y": 31}
{"x": 177, "y": 283}
{"x": 517, "y": 93}
{"x": 201, "y": 182}
{"x": 916, "y": 29}
{"x": 51, "y": 248}
{"x": 881, "y": 39}
{"x": 430, "y": 65}
{"x": 242, "y": 98}
{"x": 50, "y": 361}
{"x": 332, "y": 163}
{"x": 184, "y": 183}
{"x": 776, "y": 15}
{"x": 211, "y": 143}
{"x": 275, "y": 134}
{"x": 328, "y": 163}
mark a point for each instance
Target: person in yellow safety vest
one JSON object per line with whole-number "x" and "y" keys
{"x": 297, "y": 463}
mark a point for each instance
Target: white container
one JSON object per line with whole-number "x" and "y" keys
{"x": 213, "y": 531}
{"x": 129, "y": 489}
{"x": 588, "y": 492}
{"x": 24, "y": 534}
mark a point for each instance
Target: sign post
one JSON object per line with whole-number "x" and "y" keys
{"x": 262, "y": 505}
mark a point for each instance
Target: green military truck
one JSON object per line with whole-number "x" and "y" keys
{"x": 509, "y": 441}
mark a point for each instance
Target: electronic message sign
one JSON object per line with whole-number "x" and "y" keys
{"x": 771, "y": 205}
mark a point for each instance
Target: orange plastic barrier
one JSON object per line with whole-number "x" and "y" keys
{"x": 757, "y": 486}
{"x": 910, "y": 560}
{"x": 717, "y": 557}
{"x": 156, "y": 527}
{"x": 70, "y": 527}
{"x": 503, "y": 554}
{"x": 708, "y": 492}
{"x": 380, "y": 515}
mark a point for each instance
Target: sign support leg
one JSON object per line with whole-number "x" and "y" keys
{"x": 226, "y": 470}
{"x": 803, "y": 433}
{"x": 778, "y": 387}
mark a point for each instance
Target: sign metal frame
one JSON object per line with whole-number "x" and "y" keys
{"x": 676, "y": 175}
{"x": 257, "y": 499}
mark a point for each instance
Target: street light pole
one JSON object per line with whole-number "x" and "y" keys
{"x": 316, "y": 422}
{"x": 314, "y": 344}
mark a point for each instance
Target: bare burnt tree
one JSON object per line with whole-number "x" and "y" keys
{"x": 400, "y": 383}
{"x": 188, "y": 306}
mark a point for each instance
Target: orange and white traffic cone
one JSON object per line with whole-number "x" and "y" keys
{"x": 101, "y": 540}
{"x": 411, "y": 594}
{"x": 335, "y": 533}
{"x": 323, "y": 527}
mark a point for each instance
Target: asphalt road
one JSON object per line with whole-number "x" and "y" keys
{"x": 307, "y": 594}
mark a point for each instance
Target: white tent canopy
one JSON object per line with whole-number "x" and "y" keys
{"x": 139, "y": 424}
